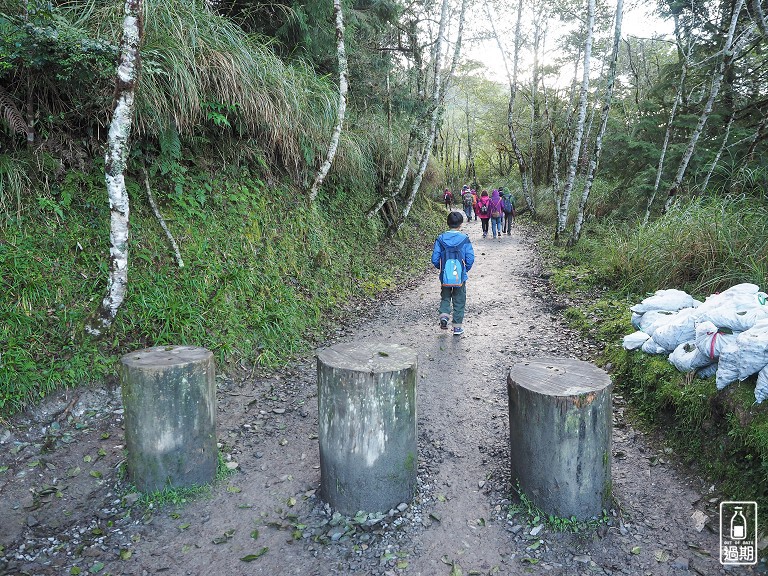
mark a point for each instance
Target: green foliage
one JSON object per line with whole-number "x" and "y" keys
{"x": 722, "y": 433}
{"x": 702, "y": 246}
{"x": 264, "y": 275}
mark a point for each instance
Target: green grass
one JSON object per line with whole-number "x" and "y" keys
{"x": 722, "y": 434}
{"x": 265, "y": 276}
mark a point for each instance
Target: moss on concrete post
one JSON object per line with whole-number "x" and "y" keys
{"x": 560, "y": 425}
{"x": 169, "y": 397}
{"x": 367, "y": 418}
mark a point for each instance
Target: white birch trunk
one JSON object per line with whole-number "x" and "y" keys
{"x": 562, "y": 218}
{"x": 512, "y": 79}
{"x": 670, "y": 120}
{"x": 759, "y": 15}
{"x": 161, "y": 220}
{"x": 555, "y": 151}
{"x": 115, "y": 166}
{"x": 728, "y": 53}
{"x": 594, "y": 161}
{"x": 341, "y": 55}
{"x": 438, "y": 97}
{"x": 719, "y": 152}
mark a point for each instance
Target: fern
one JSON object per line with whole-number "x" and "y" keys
{"x": 11, "y": 114}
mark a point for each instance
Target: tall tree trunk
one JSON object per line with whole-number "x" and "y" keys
{"x": 470, "y": 155}
{"x": 389, "y": 198}
{"x": 438, "y": 97}
{"x": 728, "y": 55}
{"x": 555, "y": 150}
{"x": 716, "y": 159}
{"x": 341, "y": 55}
{"x": 595, "y": 160}
{"x": 759, "y": 15}
{"x": 684, "y": 55}
{"x": 758, "y": 136}
{"x": 115, "y": 167}
{"x": 522, "y": 165}
{"x": 562, "y": 218}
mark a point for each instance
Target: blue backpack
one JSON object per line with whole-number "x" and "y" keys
{"x": 452, "y": 263}
{"x": 508, "y": 206}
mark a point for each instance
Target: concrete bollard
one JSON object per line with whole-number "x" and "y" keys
{"x": 367, "y": 419}
{"x": 560, "y": 425}
{"x": 169, "y": 397}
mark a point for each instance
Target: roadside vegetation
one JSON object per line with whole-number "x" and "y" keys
{"x": 702, "y": 246}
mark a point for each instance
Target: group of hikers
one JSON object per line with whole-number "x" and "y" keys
{"x": 453, "y": 254}
{"x": 496, "y": 211}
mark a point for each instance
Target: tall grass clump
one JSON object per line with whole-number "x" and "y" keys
{"x": 199, "y": 68}
{"x": 702, "y": 246}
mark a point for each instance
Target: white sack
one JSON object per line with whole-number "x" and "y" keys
{"x": 761, "y": 390}
{"x": 650, "y": 347}
{"x": 753, "y": 350}
{"x": 740, "y": 296}
{"x": 727, "y": 366}
{"x": 739, "y": 313}
{"x": 671, "y": 299}
{"x": 651, "y": 320}
{"x": 707, "y": 371}
{"x": 636, "y": 320}
{"x": 710, "y": 341}
{"x": 687, "y": 357}
{"x": 681, "y": 328}
{"x": 635, "y": 340}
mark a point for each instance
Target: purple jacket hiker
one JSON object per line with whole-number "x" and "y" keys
{"x": 496, "y": 204}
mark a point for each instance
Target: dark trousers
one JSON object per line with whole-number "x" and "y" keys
{"x": 484, "y": 222}
{"x": 509, "y": 219}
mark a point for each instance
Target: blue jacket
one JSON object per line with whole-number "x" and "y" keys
{"x": 454, "y": 238}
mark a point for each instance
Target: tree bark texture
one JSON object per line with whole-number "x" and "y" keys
{"x": 161, "y": 221}
{"x": 169, "y": 396}
{"x": 685, "y": 56}
{"x": 115, "y": 166}
{"x": 595, "y": 159}
{"x": 728, "y": 54}
{"x": 367, "y": 419}
{"x": 522, "y": 165}
{"x": 560, "y": 424}
{"x": 438, "y": 98}
{"x": 562, "y": 218}
{"x": 341, "y": 110}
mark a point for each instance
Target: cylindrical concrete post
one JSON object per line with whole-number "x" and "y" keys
{"x": 560, "y": 425}
{"x": 169, "y": 398}
{"x": 367, "y": 418}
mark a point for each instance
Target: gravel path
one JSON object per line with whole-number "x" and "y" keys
{"x": 65, "y": 507}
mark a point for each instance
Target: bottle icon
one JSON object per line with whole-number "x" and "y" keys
{"x": 738, "y": 524}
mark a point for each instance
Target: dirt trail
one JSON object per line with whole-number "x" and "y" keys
{"x": 63, "y": 504}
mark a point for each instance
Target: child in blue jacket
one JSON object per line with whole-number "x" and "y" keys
{"x": 453, "y": 254}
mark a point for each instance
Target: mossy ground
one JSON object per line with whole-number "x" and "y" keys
{"x": 723, "y": 435}
{"x": 265, "y": 274}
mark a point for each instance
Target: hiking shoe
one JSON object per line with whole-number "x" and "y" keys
{"x": 444, "y": 323}
{"x": 458, "y": 330}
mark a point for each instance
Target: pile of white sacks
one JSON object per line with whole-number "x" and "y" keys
{"x": 726, "y": 335}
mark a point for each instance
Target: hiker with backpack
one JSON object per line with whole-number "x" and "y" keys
{"x": 448, "y": 197}
{"x": 497, "y": 212}
{"x": 453, "y": 256}
{"x": 484, "y": 211}
{"x": 466, "y": 200}
{"x": 508, "y": 203}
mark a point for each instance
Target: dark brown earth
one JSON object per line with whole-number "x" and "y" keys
{"x": 65, "y": 507}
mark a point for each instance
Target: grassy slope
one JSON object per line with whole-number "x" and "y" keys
{"x": 264, "y": 274}
{"x": 722, "y": 434}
